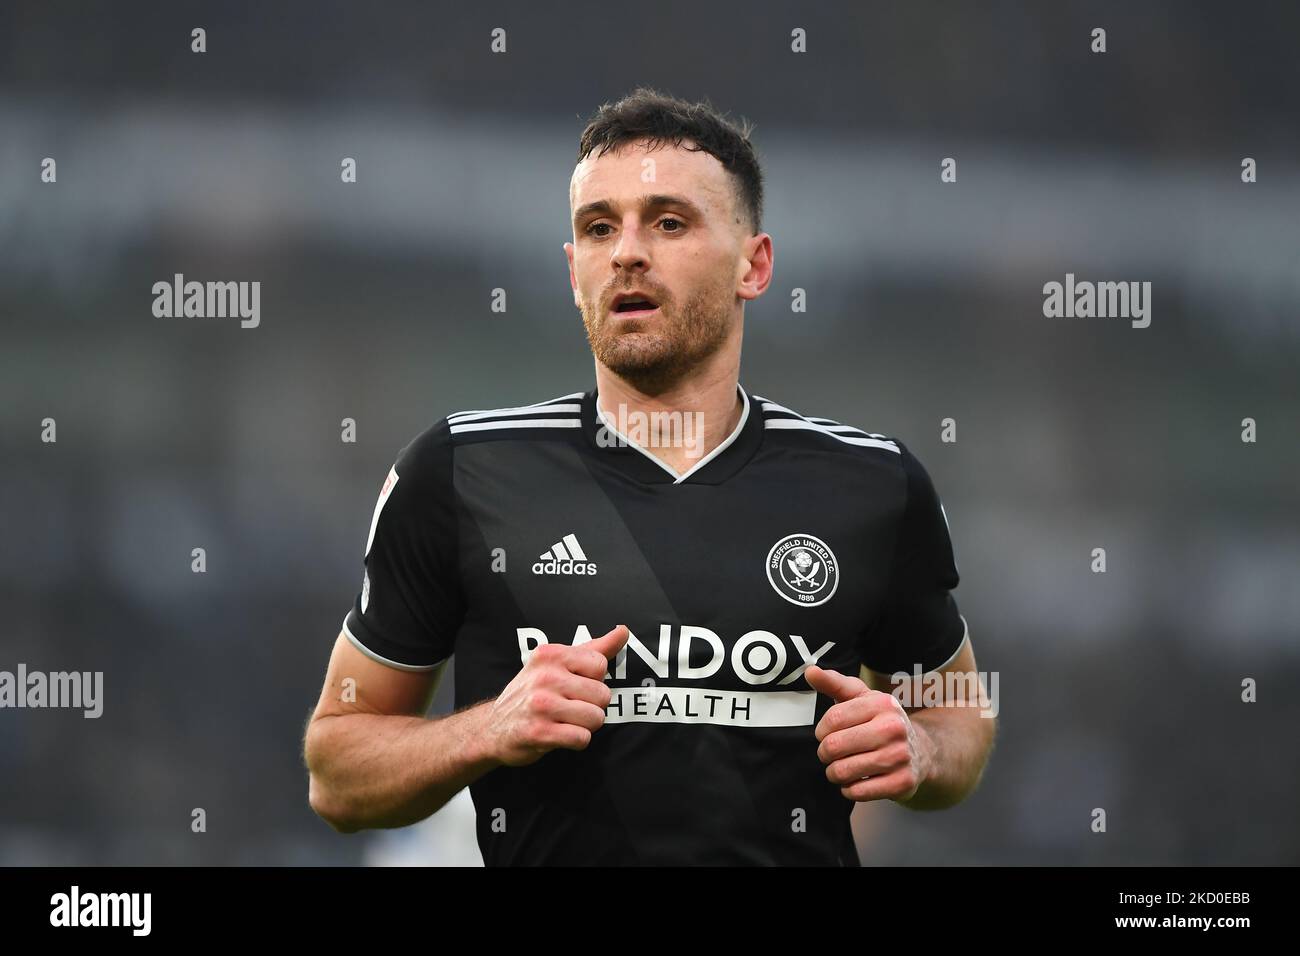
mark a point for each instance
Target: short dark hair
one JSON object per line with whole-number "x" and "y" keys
{"x": 646, "y": 113}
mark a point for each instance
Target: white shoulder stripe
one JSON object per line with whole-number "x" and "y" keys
{"x": 829, "y": 425}
{"x": 843, "y": 429}
{"x": 540, "y": 405}
{"x": 771, "y": 406}
{"x": 803, "y": 424}
{"x": 506, "y": 412}
{"x": 517, "y": 423}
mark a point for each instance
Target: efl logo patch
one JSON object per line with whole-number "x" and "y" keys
{"x": 389, "y": 483}
{"x": 803, "y": 570}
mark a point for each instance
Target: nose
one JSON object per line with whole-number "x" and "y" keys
{"x": 629, "y": 251}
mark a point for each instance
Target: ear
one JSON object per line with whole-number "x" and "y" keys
{"x": 573, "y": 276}
{"x": 755, "y": 266}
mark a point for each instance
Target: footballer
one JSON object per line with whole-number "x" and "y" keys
{"x": 676, "y": 606}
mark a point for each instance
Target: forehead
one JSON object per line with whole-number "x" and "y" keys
{"x": 622, "y": 174}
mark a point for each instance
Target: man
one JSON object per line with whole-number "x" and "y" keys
{"x": 656, "y": 590}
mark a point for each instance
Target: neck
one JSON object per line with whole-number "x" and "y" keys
{"x": 706, "y": 400}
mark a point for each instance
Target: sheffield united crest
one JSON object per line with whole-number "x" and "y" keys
{"x": 803, "y": 570}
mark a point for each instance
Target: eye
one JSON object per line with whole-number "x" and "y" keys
{"x": 597, "y": 225}
{"x": 668, "y": 219}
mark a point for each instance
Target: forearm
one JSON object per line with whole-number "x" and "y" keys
{"x": 373, "y": 770}
{"x": 954, "y": 743}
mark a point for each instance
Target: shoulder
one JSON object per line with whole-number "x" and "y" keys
{"x": 438, "y": 440}
{"x": 783, "y": 423}
{"x": 914, "y": 492}
{"x": 427, "y": 459}
{"x": 545, "y": 419}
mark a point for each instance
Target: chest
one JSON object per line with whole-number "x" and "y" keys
{"x": 738, "y": 585}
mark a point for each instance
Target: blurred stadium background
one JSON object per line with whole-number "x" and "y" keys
{"x": 1118, "y": 690}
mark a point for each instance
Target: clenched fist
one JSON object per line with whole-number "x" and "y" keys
{"x": 867, "y": 740}
{"x": 557, "y": 700}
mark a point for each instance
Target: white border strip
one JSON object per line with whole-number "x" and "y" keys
{"x": 379, "y": 658}
{"x": 965, "y": 639}
{"x": 678, "y": 479}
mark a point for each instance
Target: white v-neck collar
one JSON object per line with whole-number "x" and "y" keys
{"x": 678, "y": 479}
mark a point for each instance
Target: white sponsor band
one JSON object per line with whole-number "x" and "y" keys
{"x": 700, "y": 705}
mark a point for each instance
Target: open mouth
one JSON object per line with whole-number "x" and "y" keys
{"x": 633, "y": 304}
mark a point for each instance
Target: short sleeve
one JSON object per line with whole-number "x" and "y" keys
{"x": 410, "y": 605}
{"x": 919, "y": 623}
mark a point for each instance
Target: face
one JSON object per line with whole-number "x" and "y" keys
{"x": 664, "y": 222}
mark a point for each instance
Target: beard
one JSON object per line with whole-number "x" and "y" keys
{"x": 654, "y": 354}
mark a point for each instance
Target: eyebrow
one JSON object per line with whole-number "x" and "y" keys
{"x": 653, "y": 201}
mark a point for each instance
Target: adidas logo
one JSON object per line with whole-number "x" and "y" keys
{"x": 564, "y": 557}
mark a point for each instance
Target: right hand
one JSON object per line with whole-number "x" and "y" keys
{"x": 557, "y": 700}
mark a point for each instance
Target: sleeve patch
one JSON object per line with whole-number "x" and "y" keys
{"x": 389, "y": 483}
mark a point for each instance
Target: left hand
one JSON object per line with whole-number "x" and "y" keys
{"x": 868, "y": 742}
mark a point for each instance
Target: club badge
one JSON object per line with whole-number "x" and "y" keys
{"x": 803, "y": 570}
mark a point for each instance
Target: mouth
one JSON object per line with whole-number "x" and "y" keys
{"x": 633, "y": 305}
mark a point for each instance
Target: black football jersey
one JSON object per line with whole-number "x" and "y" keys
{"x": 797, "y": 540}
